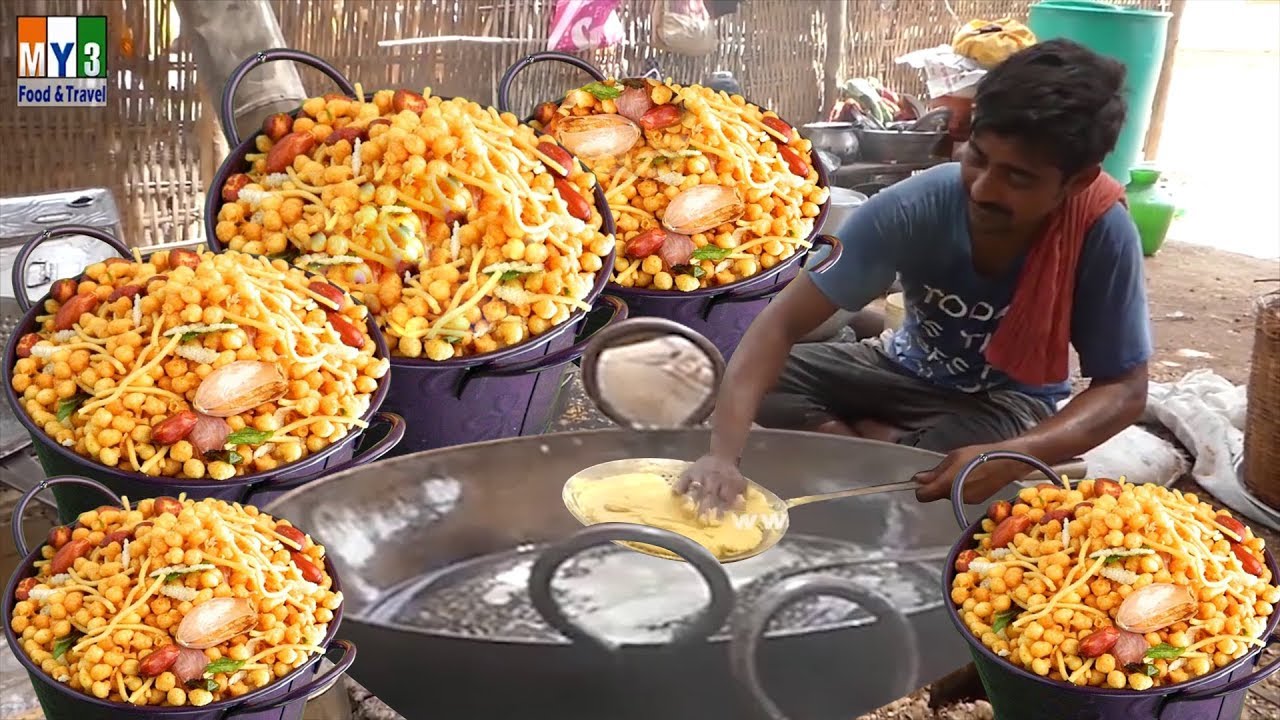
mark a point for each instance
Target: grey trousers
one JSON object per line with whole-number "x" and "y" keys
{"x": 851, "y": 381}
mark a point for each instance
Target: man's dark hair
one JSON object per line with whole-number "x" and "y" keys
{"x": 1057, "y": 96}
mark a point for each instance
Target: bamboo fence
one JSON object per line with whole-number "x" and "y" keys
{"x": 157, "y": 144}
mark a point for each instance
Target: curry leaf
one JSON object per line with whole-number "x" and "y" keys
{"x": 602, "y": 91}
{"x": 511, "y": 275}
{"x": 1151, "y": 670}
{"x": 1165, "y": 651}
{"x": 248, "y": 436}
{"x": 1002, "y": 620}
{"x": 711, "y": 252}
{"x": 61, "y": 647}
{"x": 69, "y": 405}
{"x": 223, "y": 665}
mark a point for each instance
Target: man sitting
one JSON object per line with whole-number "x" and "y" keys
{"x": 1006, "y": 259}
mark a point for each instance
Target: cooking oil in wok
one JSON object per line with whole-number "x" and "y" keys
{"x": 638, "y": 599}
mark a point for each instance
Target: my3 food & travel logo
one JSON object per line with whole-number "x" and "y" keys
{"x": 62, "y": 61}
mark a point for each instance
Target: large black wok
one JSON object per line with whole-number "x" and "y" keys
{"x": 390, "y": 526}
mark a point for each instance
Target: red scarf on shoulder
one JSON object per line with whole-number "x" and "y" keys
{"x": 1032, "y": 343}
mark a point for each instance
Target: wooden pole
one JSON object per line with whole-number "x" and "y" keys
{"x": 833, "y": 69}
{"x": 1158, "y": 103}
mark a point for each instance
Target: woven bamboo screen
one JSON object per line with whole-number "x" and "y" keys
{"x": 157, "y": 143}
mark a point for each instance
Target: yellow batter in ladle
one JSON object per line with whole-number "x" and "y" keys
{"x": 647, "y": 498}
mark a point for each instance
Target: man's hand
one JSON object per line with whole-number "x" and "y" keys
{"x": 713, "y": 482}
{"x": 986, "y": 480}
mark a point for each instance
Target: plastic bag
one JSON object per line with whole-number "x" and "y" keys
{"x": 684, "y": 26}
{"x": 584, "y": 25}
{"x": 946, "y": 72}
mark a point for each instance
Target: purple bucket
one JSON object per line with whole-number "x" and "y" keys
{"x": 284, "y": 699}
{"x": 505, "y": 393}
{"x": 1017, "y": 694}
{"x": 257, "y": 488}
{"x": 722, "y": 314}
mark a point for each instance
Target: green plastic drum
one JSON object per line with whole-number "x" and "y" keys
{"x": 1132, "y": 36}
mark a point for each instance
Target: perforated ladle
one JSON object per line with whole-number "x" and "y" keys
{"x": 773, "y": 524}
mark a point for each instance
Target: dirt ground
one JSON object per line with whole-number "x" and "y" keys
{"x": 1202, "y": 309}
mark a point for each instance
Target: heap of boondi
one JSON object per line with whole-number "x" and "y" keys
{"x": 707, "y": 188}
{"x": 1115, "y": 585}
{"x": 461, "y": 229}
{"x": 174, "y": 602}
{"x": 648, "y": 499}
{"x": 197, "y": 365}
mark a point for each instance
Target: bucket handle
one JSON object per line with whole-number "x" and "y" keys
{"x": 709, "y": 620}
{"x": 748, "y": 627}
{"x": 313, "y": 689}
{"x": 395, "y": 433}
{"x": 20, "y": 509}
{"x": 1235, "y": 686}
{"x": 1075, "y": 468}
{"x": 24, "y": 254}
{"x": 743, "y": 296}
{"x": 227, "y": 107}
{"x": 618, "y": 313}
{"x": 504, "y": 85}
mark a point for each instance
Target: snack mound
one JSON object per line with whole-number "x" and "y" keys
{"x": 1114, "y": 585}
{"x": 197, "y": 366}
{"x": 707, "y": 189}
{"x": 174, "y": 602}
{"x": 648, "y": 499}
{"x": 461, "y": 229}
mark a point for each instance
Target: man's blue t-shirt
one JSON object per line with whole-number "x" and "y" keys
{"x": 919, "y": 229}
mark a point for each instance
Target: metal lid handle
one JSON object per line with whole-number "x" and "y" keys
{"x": 747, "y": 630}
{"x": 24, "y": 254}
{"x": 709, "y": 620}
{"x": 227, "y": 107}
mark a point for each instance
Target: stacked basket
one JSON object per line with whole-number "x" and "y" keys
{"x": 1262, "y": 426}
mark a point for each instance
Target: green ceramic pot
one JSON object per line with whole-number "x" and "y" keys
{"x": 1152, "y": 208}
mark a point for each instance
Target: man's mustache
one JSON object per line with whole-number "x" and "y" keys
{"x": 993, "y": 209}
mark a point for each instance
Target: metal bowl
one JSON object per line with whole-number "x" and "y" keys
{"x": 837, "y": 138}
{"x": 510, "y": 391}
{"x": 721, "y": 312}
{"x": 258, "y": 487}
{"x": 283, "y": 699}
{"x": 897, "y": 146}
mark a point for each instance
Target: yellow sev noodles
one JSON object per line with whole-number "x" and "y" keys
{"x": 1080, "y": 552}
{"x": 720, "y": 140}
{"x": 93, "y": 625}
{"x": 444, "y": 220}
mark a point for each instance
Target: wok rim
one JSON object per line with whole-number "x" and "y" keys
{"x": 361, "y": 618}
{"x": 975, "y": 644}
{"x": 23, "y": 571}
{"x": 608, "y": 227}
{"x": 38, "y": 435}
{"x": 824, "y": 182}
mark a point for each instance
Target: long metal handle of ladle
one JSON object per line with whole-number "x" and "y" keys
{"x": 1073, "y": 469}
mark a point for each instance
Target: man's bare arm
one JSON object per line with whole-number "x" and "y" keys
{"x": 1090, "y": 419}
{"x": 758, "y": 361}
